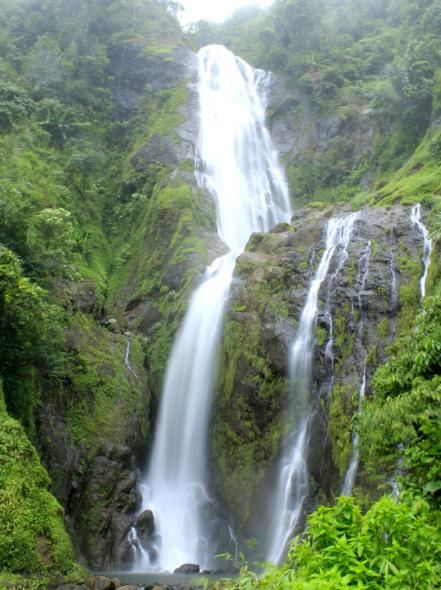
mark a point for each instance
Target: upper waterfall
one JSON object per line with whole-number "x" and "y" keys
{"x": 236, "y": 159}
{"x": 237, "y": 163}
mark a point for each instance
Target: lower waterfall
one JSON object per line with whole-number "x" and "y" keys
{"x": 291, "y": 489}
{"x": 237, "y": 163}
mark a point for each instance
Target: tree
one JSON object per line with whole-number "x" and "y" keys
{"x": 15, "y": 105}
{"x": 51, "y": 241}
{"x": 27, "y": 340}
{"x": 299, "y": 22}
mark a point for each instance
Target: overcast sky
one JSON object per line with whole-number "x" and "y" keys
{"x": 215, "y": 10}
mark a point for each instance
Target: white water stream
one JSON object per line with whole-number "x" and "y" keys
{"x": 415, "y": 218}
{"x": 351, "y": 473}
{"x": 292, "y": 485}
{"x": 237, "y": 163}
{"x": 127, "y": 361}
{"x": 362, "y": 275}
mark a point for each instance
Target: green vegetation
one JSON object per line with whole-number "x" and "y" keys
{"x": 366, "y": 83}
{"x": 401, "y": 423}
{"x": 252, "y": 387}
{"x": 392, "y": 546}
{"x": 29, "y": 339}
{"x": 102, "y": 396}
{"x": 33, "y": 538}
{"x": 102, "y": 230}
{"x": 246, "y": 431}
{"x": 72, "y": 206}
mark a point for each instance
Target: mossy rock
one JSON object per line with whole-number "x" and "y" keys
{"x": 34, "y": 539}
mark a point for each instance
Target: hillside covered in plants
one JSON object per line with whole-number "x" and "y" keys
{"x": 106, "y": 233}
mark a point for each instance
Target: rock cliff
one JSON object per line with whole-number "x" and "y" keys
{"x": 364, "y": 303}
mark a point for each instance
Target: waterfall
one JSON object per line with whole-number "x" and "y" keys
{"x": 363, "y": 271}
{"x": 329, "y": 349}
{"x": 292, "y": 486}
{"x": 127, "y": 362}
{"x": 394, "y": 291}
{"x": 351, "y": 473}
{"x": 415, "y": 218}
{"x": 237, "y": 163}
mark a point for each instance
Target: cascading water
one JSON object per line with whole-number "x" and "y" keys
{"x": 394, "y": 291}
{"x": 237, "y": 163}
{"x": 292, "y": 485}
{"x": 329, "y": 349}
{"x": 127, "y": 362}
{"x": 363, "y": 271}
{"x": 351, "y": 473}
{"x": 415, "y": 218}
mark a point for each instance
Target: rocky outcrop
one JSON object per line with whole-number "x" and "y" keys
{"x": 92, "y": 442}
{"x": 135, "y": 66}
{"x": 322, "y": 148}
{"x": 145, "y": 534}
{"x": 362, "y": 318}
{"x": 109, "y": 497}
{"x": 99, "y": 492}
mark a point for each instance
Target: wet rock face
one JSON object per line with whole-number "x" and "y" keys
{"x": 110, "y": 496}
{"x": 145, "y": 531}
{"x": 159, "y": 150}
{"x": 271, "y": 284}
{"x": 145, "y": 525}
{"x": 319, "y": 147}
{"x": 99, "y": 494}
{"x": 134, "y": 67}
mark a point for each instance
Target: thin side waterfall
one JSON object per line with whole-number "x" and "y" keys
{"x": 292, "y": 485}
{"x": 398, "y": 472}
{"x": 329, "y": 349}
{"x": 394, "y": 291}
{"x": 415, "y": 218}
{"x": 127, "y": 362}
{"x": 363, "y": 271}
{"x": 351, "y": 473}
{"x": 237, "y": 163}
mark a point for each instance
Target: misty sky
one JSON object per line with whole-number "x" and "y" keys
{"x": 215, "y": 10}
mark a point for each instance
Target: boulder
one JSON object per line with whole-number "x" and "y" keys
{"x": 188, "y": 568}
{"x": 145, "y": 526}
{"x": 103, "y": 583}
{"x": 160, "y": 149}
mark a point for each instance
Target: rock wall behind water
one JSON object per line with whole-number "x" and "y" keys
{"x": 272, "y": 279}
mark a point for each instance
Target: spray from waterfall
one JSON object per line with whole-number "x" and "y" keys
{"x": 291, "y": 489}
{"x": 237, "y": 163}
